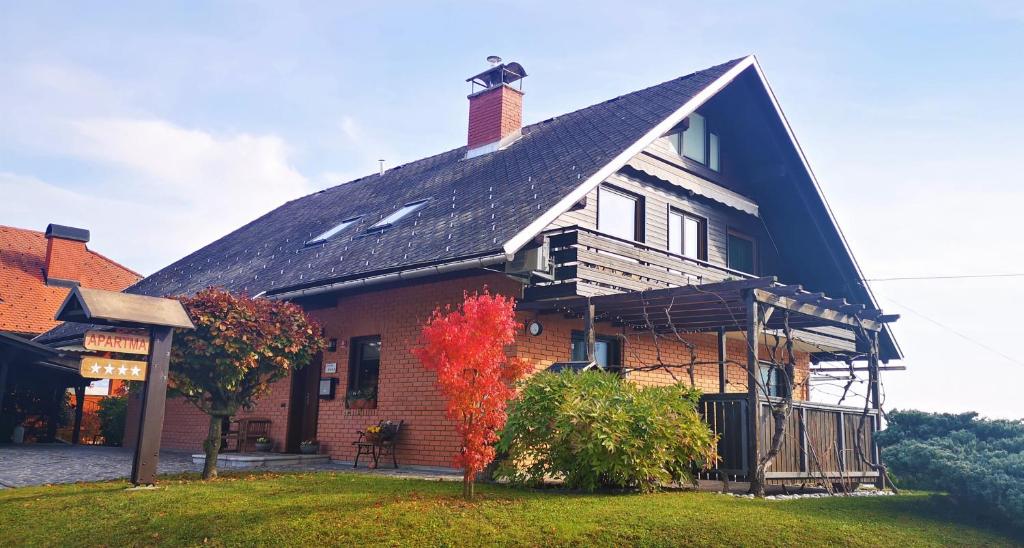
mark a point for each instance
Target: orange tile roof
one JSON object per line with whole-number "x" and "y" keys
{"x": 27, "y": 304}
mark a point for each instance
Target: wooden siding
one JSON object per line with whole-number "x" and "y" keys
{"x": 660, "y": 194}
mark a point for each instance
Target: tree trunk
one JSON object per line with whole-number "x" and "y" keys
{"x": 212, "y": 447}
{"x": 467, "y": 485}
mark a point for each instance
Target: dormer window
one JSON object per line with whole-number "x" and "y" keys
{"x": 698, "y": 143}
{"x": 332, "y": 232}
{"x": 398, "y": 215}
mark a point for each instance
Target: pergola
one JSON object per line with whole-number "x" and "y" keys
{"x": 25, "y": 361}
{"x": 750, "y": 306}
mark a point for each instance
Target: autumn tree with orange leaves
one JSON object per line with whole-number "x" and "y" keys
{"x": 239, "y": 347}
{"x": 466, "y": 347}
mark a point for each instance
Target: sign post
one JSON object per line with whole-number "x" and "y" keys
{"x": 160, "y": 317}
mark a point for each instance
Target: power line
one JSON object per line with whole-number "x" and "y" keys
{"x": 957, "y": 333}
{"x": 949, "y": 277}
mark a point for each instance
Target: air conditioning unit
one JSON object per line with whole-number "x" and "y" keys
{"x": 534, "y": 261}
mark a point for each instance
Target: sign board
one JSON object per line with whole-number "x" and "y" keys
{"x": 110, "y": 341}
{"x": 331, "y": 367}
{"x": 93, "y": 367}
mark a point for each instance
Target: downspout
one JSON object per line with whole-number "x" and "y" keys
{"x": 421, "y": 272}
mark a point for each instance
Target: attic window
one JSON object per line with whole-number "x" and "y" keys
{"x": 698, "y": 143}
{"x": 333, "y": 231}
{"x": 398, "y": 215}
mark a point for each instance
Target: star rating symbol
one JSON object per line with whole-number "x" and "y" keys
{"x": 122, "y": 370}
{"x": 109, "y": 369}
{"x": 135, "y": 371}
{"x": 95, "y": 367}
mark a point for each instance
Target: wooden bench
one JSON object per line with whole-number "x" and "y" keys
{"x": 381, "y": 444}
{"x": 244, "y": 433}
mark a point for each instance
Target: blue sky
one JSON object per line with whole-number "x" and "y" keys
{"x": 162, "y": 128}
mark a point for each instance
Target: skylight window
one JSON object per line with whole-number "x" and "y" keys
{"x": 398, "y": 215}
{"x": 333, "y": 231}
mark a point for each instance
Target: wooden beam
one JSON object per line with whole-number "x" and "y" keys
{"x": 826, "y": 314}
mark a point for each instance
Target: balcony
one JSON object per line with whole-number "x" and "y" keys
{"x": 588, "y": 263}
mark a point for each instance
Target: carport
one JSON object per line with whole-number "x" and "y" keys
{"x": 37, "y": 374}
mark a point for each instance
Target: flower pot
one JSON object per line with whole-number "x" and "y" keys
{"x": 309, "y": 448}
{"x": 263, "y": 447}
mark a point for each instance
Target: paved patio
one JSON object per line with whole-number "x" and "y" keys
{"x": 39, "y": 464}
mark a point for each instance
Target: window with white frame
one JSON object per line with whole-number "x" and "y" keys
{"x": 620, "y": 213}
{"x": 687, "y": 234}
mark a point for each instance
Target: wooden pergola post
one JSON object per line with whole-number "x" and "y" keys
{"x": 722, "y": 350}
{"x": 589, "y": 336}
{"x": 876, "y": 400}
{"x": 3, "y": 379}
{"x": 76, "y": 432}
{"x": 753, "y": 328}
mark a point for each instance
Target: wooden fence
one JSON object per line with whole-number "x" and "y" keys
{"x": 821, "y": 441}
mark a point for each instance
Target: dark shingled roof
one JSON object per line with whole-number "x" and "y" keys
{"x": 475, "y": 205}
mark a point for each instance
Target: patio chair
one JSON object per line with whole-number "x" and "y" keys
{"x": 383, "y": 444}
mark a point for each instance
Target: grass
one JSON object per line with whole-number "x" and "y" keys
{"x": 316, "y": 509}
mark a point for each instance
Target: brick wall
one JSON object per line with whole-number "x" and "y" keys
{"x": 407, "y": 391}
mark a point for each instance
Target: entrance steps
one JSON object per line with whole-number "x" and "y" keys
{"x": 261, "y": 460}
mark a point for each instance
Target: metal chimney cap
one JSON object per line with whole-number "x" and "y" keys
{"x": 494, "y": 60}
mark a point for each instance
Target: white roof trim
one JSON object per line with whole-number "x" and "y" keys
{"x": 563, "y": 205}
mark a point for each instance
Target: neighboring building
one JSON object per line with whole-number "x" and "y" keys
{"x": 678, "y": 202}
{"x": 36, "y": 271}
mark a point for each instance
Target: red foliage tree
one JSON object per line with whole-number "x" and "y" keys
{"x": 466, "y": 347}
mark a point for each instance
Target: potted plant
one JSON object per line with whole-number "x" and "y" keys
{"x": 309, "y": 447}
{"x": 372, "y": 433}
{"x": 263, "y": 444}
{"x": 362, "y": 399}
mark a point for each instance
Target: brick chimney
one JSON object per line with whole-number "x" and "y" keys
{"x": 65, "y": 253}
{"x": 495, "y": 107}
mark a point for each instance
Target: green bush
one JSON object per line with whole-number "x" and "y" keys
{"x": 979, "y": 462}
{"x": 594, "y": 430}
{"x": 113, "y": 413}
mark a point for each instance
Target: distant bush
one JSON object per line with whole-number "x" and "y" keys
{"x": 594, "y": 430}
{"x": 113, "y": 412}
{"x": 979, "y": 462}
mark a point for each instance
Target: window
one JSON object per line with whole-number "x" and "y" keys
{"x": 620, "y": 214}
{"x": 687, "y": 234}
{"x": 363, "y": 373}
{"x": 772, "y": 379}
{"x": 398, "y": 215}
{"x": 607, "y": 351}
{"x": 333, "y": 231}
{"x": 698, "y": 143}
{"x": 742, "y": 253}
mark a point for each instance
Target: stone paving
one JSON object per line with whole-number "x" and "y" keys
{"x": 39, "y": 464}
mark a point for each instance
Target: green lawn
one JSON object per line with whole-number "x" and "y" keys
{"x": 348, "y": 509}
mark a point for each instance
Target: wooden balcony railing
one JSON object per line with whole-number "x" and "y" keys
{"x": 589, "y": 263}
{"x": 820, "y": 441}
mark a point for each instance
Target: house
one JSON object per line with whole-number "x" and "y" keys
{"x": 669, "y": 233}
{"x": 36, "y": 271}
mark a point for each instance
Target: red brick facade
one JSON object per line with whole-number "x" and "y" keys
{"x": 407, "y": 391}
{"x": 494, "y": 114}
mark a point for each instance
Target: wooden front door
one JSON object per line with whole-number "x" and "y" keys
{"x": 303, "y": 405}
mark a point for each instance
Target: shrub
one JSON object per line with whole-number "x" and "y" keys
{"x": 593, "y": 430}
{"x": 979, "y": 462}
{"x": 113, "y": 411}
